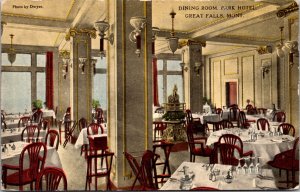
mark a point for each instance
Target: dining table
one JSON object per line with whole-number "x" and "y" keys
{"x": 205, "y": 117}
{"x": 12, "y": 156}
{"x": 266, "y": 146}
{"x": 83, "y": 136}
{"x": 190, "y": 175}
{"x": 14, "y": 134}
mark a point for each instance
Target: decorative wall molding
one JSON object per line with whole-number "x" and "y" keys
{"x": 231, "y": 66}
{"x": 75, "y": 31}
{"x": 286, "y": 11}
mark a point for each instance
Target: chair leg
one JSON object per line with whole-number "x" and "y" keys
{"x": 280, "y": 172}
{"x": 194, "y": 158}
{"x": 287, "y": 178}
{"x": 190, "y": 157}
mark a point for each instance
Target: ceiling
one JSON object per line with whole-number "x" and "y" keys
{"x": 195, "y": 19}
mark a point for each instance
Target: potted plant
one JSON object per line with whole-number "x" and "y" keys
{"x": 95, "y": 103}
{"x": 37, "y": 104}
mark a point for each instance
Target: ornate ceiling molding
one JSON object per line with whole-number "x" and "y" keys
{"x": 188, "y": 42}
{"x": 248, "y": 38}
{"x": 291, "y": 8}
{"x": 75, "y": 31}
{"x": 264, "y": 49}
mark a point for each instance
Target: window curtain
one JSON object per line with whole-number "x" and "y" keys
{"x": 155, "y": 86}
{"x": 49, "y": 80}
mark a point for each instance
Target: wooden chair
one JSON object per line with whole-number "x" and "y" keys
{"x": 53, "y": 136}
{"x": 32, "y": 133}
{"x": 219, "y": 111}
{"x": 45, "y": 125}
{"x": 203, "y": 150}
{"x": 35, "y": 159}
{"x": 227, "y": 124}
{"x": 242, "y": 121}
{"x": 262, "y": 111}
{"x": 94, "y": 171}
{"x": 263, "y": 124}
{"x": 82, "y": 123}
{"x": 166, "y": 147}
{"x": 288, "y": 129}
{"x": 93, "y": 129}
{"x": 99, "y": 116}
{"x": 97, "y": 144}
{"x": 279, "y": 116}
{"x": 233, "y": 114}
{"x": 145, "y": 171}
{"x": 72, "y": 125}
{"x": 197, "y": 125}
{"x": 37, "y": 116}
{"x": 64, "y": 126}
{"x": 159, "y": 127}
{"x": 49, "y": 179}
{"x": 289, "y": 161}
{"x": 227, "y": 154}
{"x": 23, "y": 121}
{"x": 217, "y": 125}
{"x": 235, "y": 140}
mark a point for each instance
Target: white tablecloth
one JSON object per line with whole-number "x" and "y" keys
{"x": 48, "y": 113}
{"x": 265, "y": 147}
{"x": 12, "y": 156}
{"x": 8, "y": 136}
{"x": 82, "y": 137}
{"x": 201, "y": 179}
{"x": 207, "y": 117}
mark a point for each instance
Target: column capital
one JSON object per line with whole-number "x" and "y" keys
{"x": 191, "y": 42}
{"x": 80, "y": 31}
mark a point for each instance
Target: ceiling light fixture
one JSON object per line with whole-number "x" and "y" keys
{"x": 138, "y": 23}
{"x": 65, "y": 55}
{"x": 2, "y": 23}
{"x": 102, "y": 27}
{"x": 11, "y": 52}
{"x": 173, "y": 40}
{"x": 155, "y": 30}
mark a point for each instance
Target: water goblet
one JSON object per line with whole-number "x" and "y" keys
{"x": 245, "y": 166}
{"x": 251, "y": 166}
{"x": 257, "y": 166}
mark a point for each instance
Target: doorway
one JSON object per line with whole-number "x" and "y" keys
{"x": 231, "y": 93}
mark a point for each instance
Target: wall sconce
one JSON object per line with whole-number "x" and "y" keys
{"x": 93, "y": 63}
{"x": 182, "y": 64}
{"x": 197, "y": 67}
{"x": 2, "y": 24}
{"x": 102, "y": 27}
{"x": 11, "y": 52}
{"x": 82, "y": 62}
{"x": 138, "y": 23}
{"x": 155, "y": 30}
{"x": 65, "y": 55}
{"x": 173, "y": 41}
{"x": 265, "y": 70}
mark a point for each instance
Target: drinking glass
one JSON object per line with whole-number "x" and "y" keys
{"x": 251, "y": 166}
{"x": 245, "y": 166}
{"x": 239, "y": 168}
{"x": 258, "y": 167}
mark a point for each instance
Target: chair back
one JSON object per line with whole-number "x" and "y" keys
{"x": 93, "y": 129}
{"x": 36, "y": 154}
{"x": 227, "y": 154}
{"x": 233, "y": 113}
{"x": 279, "y": 116}
{"x": 263, "y": 124}
{"x": 52, "y": 136}
{"x": 252, "y": 111}
{"x": 227, "y": 124}
{"x": 23, "y": 121}
{"x": 82, "y": 123}
{"x": 49, "y": 179}
{"x": 98, "y": 143}
{"x": 32, "y": 132}
{"x": 217, "y": 125}
{"x": 287, "y": 129}
{"x": 37, "y": 116}
{"x": 219, "y": 111}
{"x": 45, "y": 125}
{"x": 231, "y": 139}
{"x": 188, "y": 116}
{"x": 190, "y": 136}
{"x": 261, "y": 110}
{"x": 242, "y": 120}
{"x": 99, "y": 116}
{"x": 249, "y": 106}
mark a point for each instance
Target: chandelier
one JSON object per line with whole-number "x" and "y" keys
{"x": 11, "y": 52}
{"x": 173, "y": 41}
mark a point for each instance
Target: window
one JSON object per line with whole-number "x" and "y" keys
{"x": 22, "y": 82}
{"x": 99, "y": 84}
{"x": 169, "y": 74}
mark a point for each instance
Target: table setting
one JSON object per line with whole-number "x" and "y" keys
{"x": 10, "y": 153}
{"x": 223, "y": 177}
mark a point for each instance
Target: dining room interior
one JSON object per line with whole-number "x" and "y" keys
{"x": 149, "y": 95}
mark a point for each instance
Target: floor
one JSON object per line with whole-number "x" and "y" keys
{"x": 74, "y": 166}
